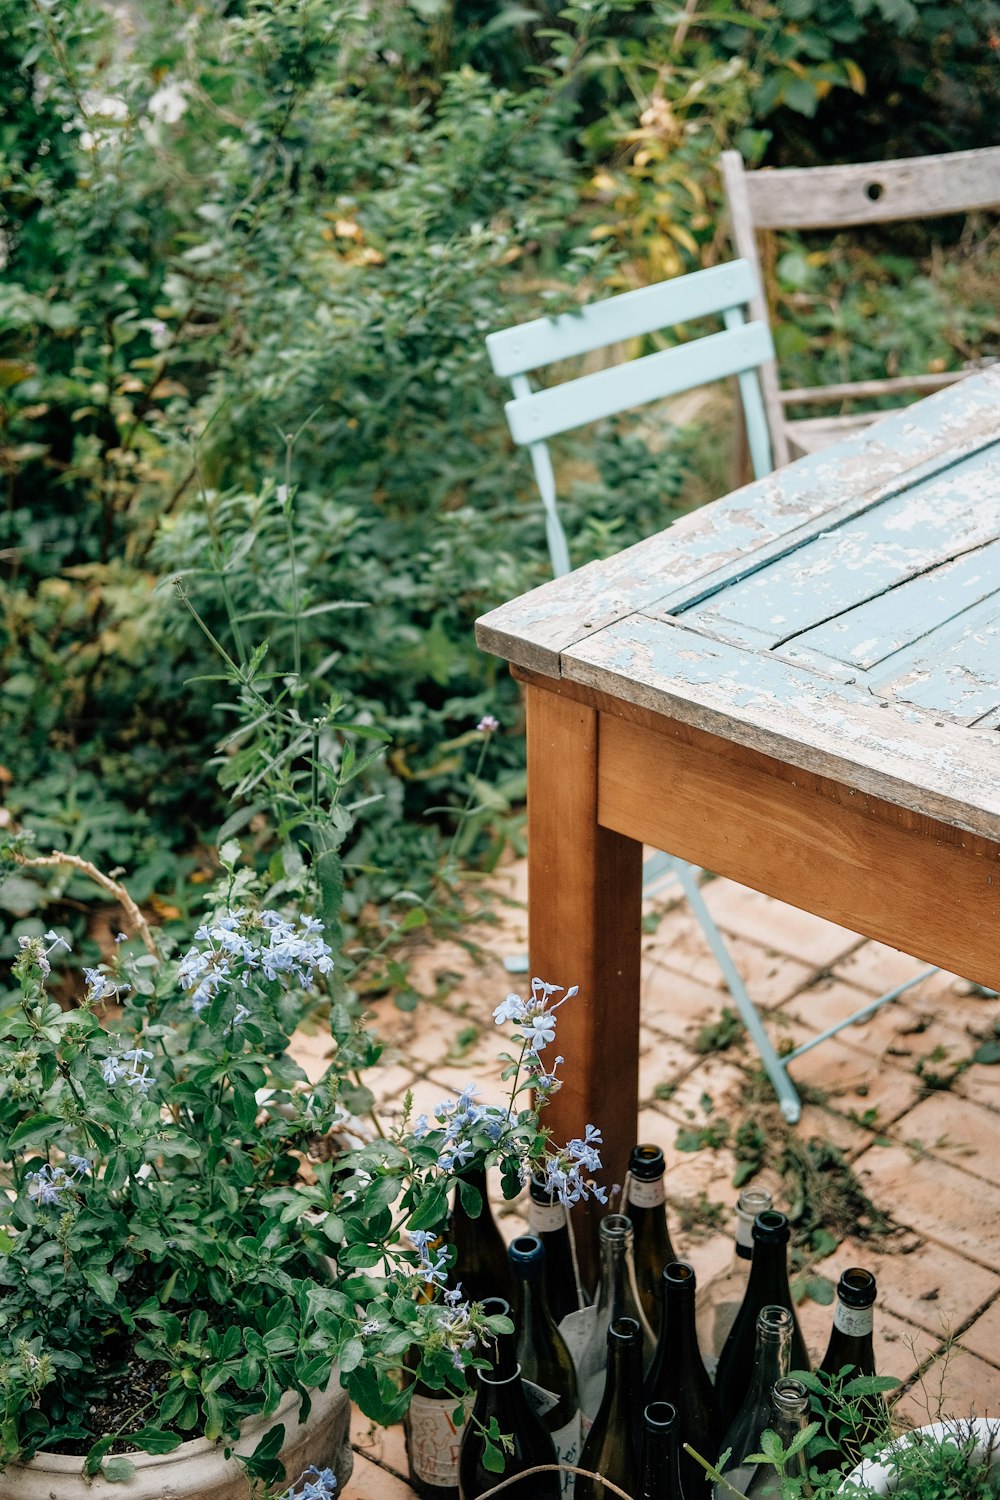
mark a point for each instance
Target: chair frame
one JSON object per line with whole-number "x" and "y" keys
{"x": 806, "y": 198}
{"x": 515, "y": 353}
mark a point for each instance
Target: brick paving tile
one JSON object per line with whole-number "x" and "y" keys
{"x": 900, "y": 1347}
{"x": 661, "y": 1064}
{"x": 715, "y": 1082}
{"x": 958, "y": 1384}
{"x": 958, "y": 1130}
{"x": 852, "y": 1082}
{"x": 896, "y": 1029}
{"x": 370, "y": 1482}
{"x": 383, "y": 1445}
{"x": 841, "y": 1132}
{"x": 676, "y": 1005}
{"x": 928, "y": 1285}
{"x": 769, "y": 975}
{"x": 936, "y": 1199}
{"x": 877, "y": 967}
{"x": 798, "y": 933}
{"x": 981, "y": 1083}
{"x": 983, "y": 1337}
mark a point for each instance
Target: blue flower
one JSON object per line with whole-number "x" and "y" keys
{"x": 320, "y": 1487}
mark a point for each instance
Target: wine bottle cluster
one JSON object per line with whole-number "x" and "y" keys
{"x": 625, "y": 1400}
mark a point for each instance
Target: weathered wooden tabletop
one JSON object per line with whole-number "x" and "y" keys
{"x": 842, "y": 615}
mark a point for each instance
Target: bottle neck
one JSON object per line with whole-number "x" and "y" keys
{"x": 547, "y": 1218}
{"x": 645, "y": 1193}
{"x": 660, "y": 1462}
{"x": 502, "y": 1355}
{"x": 531, "y": 1307}
{"x": 772, "y": 1359}
{"x": 623, "y": 1389}
{"x": 615, "y": 1252}
{"x": 769, "y": 1273}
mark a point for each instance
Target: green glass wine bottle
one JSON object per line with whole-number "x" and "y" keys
{"x": 433, "y": 1440}
{"x": 481, "y": 1268}
{"x": 611, "y": 1448}
{"x": 659, "y": 1468}
{"x": 863, "y": 1419}
{"x": 548, "y": 1217}
{"x": 616, "y": 1298}
{"x": 547, "y": 1367}
{"x": 645, "y": 1205}
{"x": 717, "y": 1309}
{"x": 789, "y": 1414}
{"x": 766, "y": 1284}
{"x": 678, "y": 1376}
{"x": 500, "y": 1395}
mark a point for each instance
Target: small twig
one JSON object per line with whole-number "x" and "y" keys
{"x": 557, "y": 1469}
{"x": 57, "y": 857}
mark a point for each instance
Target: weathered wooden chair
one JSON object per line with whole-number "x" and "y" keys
{"x": 534, "y": 416}
{"x": 808, "y": 198}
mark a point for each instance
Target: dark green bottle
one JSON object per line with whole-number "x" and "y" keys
{"x": 659, "y": 1468}
{"x": 766, "y": 1284}
{"x": 611, "y": 1448}
{"x": 851, "y": 1345}
{"x": 678, "y": 1376}
{"x": 645, "y": 1205}
{"x": 548, "y": 1217}
{"x": 546, "y": 1363}
{"x": 771, "y": 1355}
{"x": 481, "y": 1268}
{"x": 500, "y": 1394}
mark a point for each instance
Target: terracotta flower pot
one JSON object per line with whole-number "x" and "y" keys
{"x": 198, "y": 1470}
{"x": 873, "y": 1475}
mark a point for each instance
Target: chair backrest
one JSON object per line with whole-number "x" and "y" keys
{"x": 536, "y": 415}
{"x": 880, "y": 192}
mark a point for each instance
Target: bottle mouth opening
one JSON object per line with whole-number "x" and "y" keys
{"x": 496, "y": 1307}
{"x": 790, "y": 1397}
{"x": 679, "y": 1273}
{"x": 660, "y": 1415}
{"x": 774, "y": 1319}
{"x": 647, "y": 1162}
{"x": 857, "y": 1287}
{"x": 615, "y": 1226}
{"x": 624, "y": 1330}
{"x": 526, "y": 1252}
{"x": 770, "y": 1227}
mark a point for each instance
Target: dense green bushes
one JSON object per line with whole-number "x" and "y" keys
{"x": 252, "y": 252}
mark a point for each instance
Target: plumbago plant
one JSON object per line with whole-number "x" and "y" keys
{"x": 192, "y": 1228}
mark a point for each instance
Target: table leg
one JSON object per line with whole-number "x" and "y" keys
{"x": 584, "y": 911}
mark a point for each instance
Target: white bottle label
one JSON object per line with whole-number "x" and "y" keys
{"x": 744, "y": 1231}
{"x": 577, "y": 1329}
{"x": 539, "y": 1399}
{"x": 434, "y": 1439}
{"x": 646, "y": 1194}
{"x": 544, "y": 1217}
{"x": 568, "y": 1443}
{"x": 855, "y": 1321}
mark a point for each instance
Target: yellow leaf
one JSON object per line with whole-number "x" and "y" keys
{"x": 855, "y": 76}
{"x": 164, "y": 909}
{"x": 603, "y": 232}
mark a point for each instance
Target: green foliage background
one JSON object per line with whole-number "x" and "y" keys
{"x": 252, "y": 251}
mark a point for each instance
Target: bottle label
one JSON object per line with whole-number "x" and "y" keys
{"x": 646, "y": 1194}
{"x": 856, "y": 1322}
{"x": 744, "y": 1233}
{"x": 568, "y": 1443}
{"x": 577, "y": 1329}
{"x": 544, "y": 1217}
{"x": 434, "y": 1440}
{"x": 539, "y": 1399}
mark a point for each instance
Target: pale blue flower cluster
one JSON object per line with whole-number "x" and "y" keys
{"x": 567, "y": 1173}
{"x": 536, "y": 1028}
{"x": 430, "y": 1270}
{"x": 239, "y": 945}
{"x": 101, "y": 987}
{"x": 136, "y": 1076}
{"x": 319, "y": 1487}
{"x": 48, "y": 1184}
{"x": 39, "y": 953}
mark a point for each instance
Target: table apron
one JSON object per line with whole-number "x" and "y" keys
{"x": 927, "y": 888}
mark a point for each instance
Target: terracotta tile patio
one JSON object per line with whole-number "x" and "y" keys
{"x": 929, "y": 1160}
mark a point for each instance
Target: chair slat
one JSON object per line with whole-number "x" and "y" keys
{"x": 544, "y": 341}
{"x": 878, "y": 192}
{"x": 541, "y": 415}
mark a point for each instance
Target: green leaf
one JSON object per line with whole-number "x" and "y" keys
{"x": 117, "y": 1470}
{"x": 820, "y": 1289}
{"x": 155, "y": 1440}
{"x": 104, "y": 1285}
{"x": 33, "y": 1130}
{"x": 987, "y": 1052}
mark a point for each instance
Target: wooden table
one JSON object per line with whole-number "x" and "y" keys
{"x": 798, "y": 687}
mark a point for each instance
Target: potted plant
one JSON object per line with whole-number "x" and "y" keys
{"x": 950, "y": 1459}
{"x": 192, "y": 1282}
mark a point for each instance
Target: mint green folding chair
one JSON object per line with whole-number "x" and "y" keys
{"x": 535, "y": 415}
